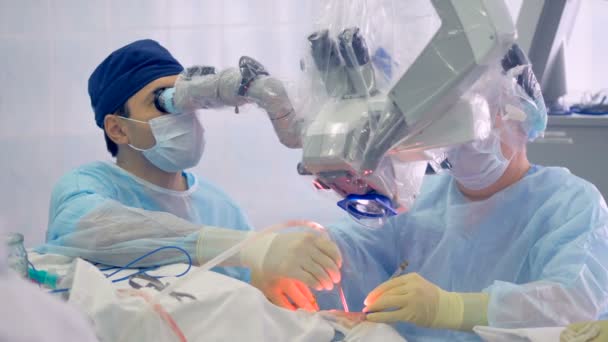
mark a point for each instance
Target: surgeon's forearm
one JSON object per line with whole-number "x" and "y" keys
{"x": 213, "y": 241}
{"x": 546, "y": 303}
{"x": 475, "y": 310}
{"x": 461, "y": 311}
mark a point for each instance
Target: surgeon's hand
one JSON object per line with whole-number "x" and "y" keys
{"x": 287, "y": 293}
{"x": 585, "y": 331}
{"x": 411, "y": 297}
{"x": 278, "y": 260}
{"x": 312, "y": 259}
{"x": 416, "y": 300}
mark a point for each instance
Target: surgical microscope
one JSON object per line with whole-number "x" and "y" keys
{"x": 369, "y": 146}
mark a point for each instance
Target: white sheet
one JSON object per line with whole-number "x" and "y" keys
{"x": 225, "y": 309}
{"x": 490, "y": 334}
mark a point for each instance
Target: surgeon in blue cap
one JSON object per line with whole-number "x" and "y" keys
{"x": 113, "y": 213}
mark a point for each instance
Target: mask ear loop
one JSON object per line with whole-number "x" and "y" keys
{"x": 133, "y": 146}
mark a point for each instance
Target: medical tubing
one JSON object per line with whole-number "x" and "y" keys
{"x": 59, "y": 290}
{"x": 44, "y": 278}
{"x": 32, "y": 265}
{"x": 144, "y": 270}
{"x": 221, "y": 258}
{"x": 160, "y": 310}
{"x": 151, "y": 253}
{"x": 108, "y": 268}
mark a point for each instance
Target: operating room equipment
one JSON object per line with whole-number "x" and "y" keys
{"x": 51, "y": 279}
{"x": 16, "y": 253}
{"x": 139, "y": 281}
{"x": 145, "y": 269}
{"x": 361, "y": 132}
{"x": 367, "y": 139}
{"x": 592, "y": 103}
{"x": 45, "y": 278}
{"x": 200, "y": 87}
{"x": 399, "y": 271}
{"x": 371, "y": 143}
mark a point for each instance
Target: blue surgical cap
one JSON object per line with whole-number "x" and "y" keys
{"x": 125, "y": 72}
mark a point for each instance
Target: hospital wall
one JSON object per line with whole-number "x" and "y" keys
{"x": 50, "y": 47}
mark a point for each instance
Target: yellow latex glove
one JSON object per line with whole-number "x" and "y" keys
{"x": 284, "y": 292}
{"x": 585, "y": 332}
{"x": 416, "y": 300}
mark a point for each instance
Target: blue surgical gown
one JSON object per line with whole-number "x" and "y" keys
{"x": 105, "y": 214}
{"x": 539, "y": 248}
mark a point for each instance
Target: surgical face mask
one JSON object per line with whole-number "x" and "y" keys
{"x": 180, "y": 141}
{"x": 478, "y": 164}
